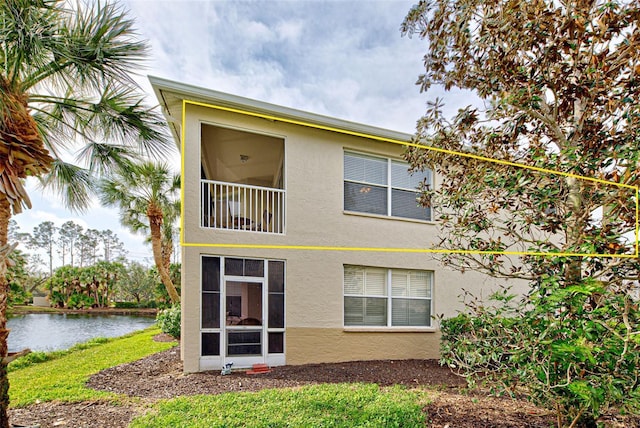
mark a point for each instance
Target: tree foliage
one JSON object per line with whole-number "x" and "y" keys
{"x": 19, "y": 278}
{"x": 560, "y": 88}
{"x": 138, "y": 285}
{"x": 84, "y": 287}
{"x": 65, "y": 87}
{"x": 44, "y": 238}
{"x": 147, "y": 196}
{"x": 69, "y": 235}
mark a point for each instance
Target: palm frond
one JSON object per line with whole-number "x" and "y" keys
{"x": 104, "y": 158}
{"x": 75, "y": 185}
{"x": 116, "y": 115}
{"x": 176, "y": 182}
{"x": 136, "y": 187}
{"x": 27, "y": 31}
{"x": 98, "y": 45}
{"x": 113, "y": 193}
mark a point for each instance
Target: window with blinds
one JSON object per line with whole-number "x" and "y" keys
{"x": 387, "y": 297}
{"x": 383, "y": 186}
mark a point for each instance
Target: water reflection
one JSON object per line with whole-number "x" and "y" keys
{"x": 50, "y": 332}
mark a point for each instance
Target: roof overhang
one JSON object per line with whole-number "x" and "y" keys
{"x": 171, "y": 95}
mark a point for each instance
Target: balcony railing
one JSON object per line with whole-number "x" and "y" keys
{"x": 232, "y": 206}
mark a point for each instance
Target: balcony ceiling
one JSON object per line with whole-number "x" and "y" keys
{"x": 241, "y": 157}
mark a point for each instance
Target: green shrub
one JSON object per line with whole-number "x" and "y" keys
{"x": 80, "y": 301}
{"x": 169, "y": 321}
{"x": 152, "y": 304}
{"x": 135, "y": 305}
{"x": 571, "y": 349}
{"x": 125, "y": 305}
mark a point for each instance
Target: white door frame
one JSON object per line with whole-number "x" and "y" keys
{"x": 240, "y": 361}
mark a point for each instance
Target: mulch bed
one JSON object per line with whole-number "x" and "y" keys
{"x": 160, "y": 376}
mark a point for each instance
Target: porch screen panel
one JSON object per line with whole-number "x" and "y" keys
{"x": 244, "y": 267}
{"x": 244, "y": 343}
{"x": 276, "y": 294}
{"x": 211, "y": 274}
{"x": 254, "y": 268}
{"x": 210, "y": 292}
{"x": 233, "y": 266}
{"x": 276, "y": 343}
{"x": 210, "y": 310}
{"x": 210, "y": 344}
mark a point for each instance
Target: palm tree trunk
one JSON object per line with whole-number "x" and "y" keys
{"x": 155, "y": 224}
{"x": 5, "y": 215}
{"x": 167, "y": 249}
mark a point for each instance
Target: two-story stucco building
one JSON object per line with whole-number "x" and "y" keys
{"x": 294, "y": 230}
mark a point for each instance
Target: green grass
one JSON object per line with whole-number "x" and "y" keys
{"x": 62, "y": 375}
{"x": 38, "y": 357}
{"x": 326, "y": 405}
{"x": 29, "y": 309}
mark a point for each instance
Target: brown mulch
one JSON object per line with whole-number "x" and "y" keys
{"x": 100, "y": 414}
{"x": 160, "y": 376}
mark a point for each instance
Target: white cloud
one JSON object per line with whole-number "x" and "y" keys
{"x": 289, "y": 31}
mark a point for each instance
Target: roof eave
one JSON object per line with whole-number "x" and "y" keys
{"x": 208, "y": 96}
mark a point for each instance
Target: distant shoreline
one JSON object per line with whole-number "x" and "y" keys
{"x": 28, "y": 309}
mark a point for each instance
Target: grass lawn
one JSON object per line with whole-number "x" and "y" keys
{"x": 63, "y": 375}
{"x": 327, "y": 405}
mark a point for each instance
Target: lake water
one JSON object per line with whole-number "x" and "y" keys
{"x": 51, "y": 332}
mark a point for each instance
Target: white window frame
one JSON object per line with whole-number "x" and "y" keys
{"x": 389, "y": 187}
{"x": 389, "y": 300}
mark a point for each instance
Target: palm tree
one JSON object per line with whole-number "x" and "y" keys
{"x": 65, "y": 88}
{"x": 170, "y": 230}
{"x": 147, "y": 195}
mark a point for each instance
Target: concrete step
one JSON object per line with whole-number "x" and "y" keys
{"x": 258, "y": 369}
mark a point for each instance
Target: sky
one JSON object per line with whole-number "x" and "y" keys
{"x": 341, "y": 58}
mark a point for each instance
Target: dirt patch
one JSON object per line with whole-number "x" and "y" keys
{"x": 163, "y": 337}
{"x": 160, "y": 376}
{"x": 457, "y": 410}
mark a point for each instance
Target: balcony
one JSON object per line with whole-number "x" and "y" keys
{"x": 242, "y": 207}
{"x": 241, "y": 180}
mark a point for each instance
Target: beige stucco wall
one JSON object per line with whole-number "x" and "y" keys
{"x": 315, "y": 217}
{"x": 328, "y": 345}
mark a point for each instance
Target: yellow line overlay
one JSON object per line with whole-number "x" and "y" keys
{"x": 404, "y": 143}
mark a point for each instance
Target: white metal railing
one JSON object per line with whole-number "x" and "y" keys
{"x": 234, "y": 206}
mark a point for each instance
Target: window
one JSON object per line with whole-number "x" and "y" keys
{"x": 387, "y": 297}
{"x": 383, "y": 186}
